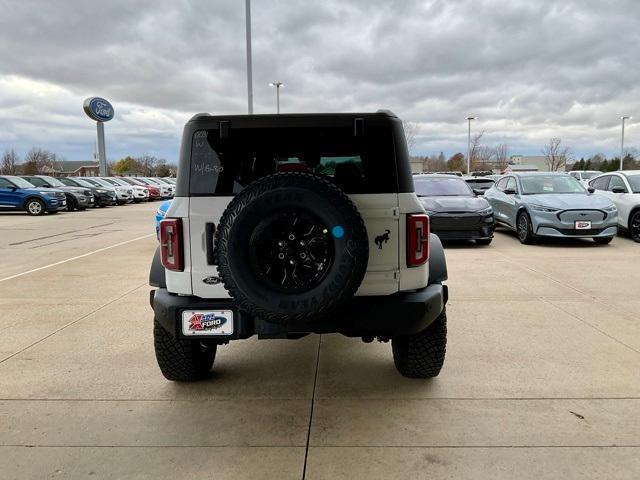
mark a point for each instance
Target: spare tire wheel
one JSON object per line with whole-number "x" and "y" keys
{"x": 291, "y": 247}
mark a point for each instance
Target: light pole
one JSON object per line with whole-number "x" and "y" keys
{"x": 623, "y": 118}
{"x": 277, "y": 85}
{"x": 469, "y": 145}
{"x": 249, "y": 67}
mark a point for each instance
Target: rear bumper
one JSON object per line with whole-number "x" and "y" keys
{"x": 402, "y": 313}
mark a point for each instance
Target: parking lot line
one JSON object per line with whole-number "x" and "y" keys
{"x": 75, "y": 258}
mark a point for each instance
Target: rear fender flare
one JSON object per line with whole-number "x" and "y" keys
{"x": 156, "y": 274}
{"x": 437, "y": 261}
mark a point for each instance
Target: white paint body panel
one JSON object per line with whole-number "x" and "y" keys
{"x": 386, "y": 273}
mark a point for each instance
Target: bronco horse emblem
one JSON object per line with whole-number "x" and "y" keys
{"x": 380, "y": 239}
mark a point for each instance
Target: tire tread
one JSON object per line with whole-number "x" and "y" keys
{"x": 181, "y": 360}
{"x": 422, "y": 355}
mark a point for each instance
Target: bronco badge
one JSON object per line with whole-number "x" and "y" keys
{"x": 384, "y": 238}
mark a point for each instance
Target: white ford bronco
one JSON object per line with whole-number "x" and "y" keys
{"x": 288, "y": 225}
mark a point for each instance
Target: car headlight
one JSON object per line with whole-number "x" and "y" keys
{"x": 485, "y": 211}
{"x": 542, "y": 208}
{"x": 610, "y": 208}
{"x": 47, "y": 194}
{"x": 101, "y": 191}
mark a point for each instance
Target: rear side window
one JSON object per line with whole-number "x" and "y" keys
{"x": 357, "y": 164}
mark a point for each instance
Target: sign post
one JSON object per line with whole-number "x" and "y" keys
{"x": 101, "y": 111}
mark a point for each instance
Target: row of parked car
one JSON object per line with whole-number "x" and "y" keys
{"x": 532, "y": 204}
{"x": 40, "y": 194}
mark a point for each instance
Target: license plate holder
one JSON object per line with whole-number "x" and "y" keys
{"x": 582, "y": 225}
{"x": 198, "y": 323}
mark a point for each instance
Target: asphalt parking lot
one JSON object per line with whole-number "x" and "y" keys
{"x": 542, "y": 377}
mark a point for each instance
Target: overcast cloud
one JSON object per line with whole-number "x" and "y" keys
{"x": 529, "y": 69}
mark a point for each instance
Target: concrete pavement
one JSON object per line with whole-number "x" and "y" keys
{"x": 542, "y": 377}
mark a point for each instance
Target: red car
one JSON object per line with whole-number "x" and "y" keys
{"x": 154, "y": 192}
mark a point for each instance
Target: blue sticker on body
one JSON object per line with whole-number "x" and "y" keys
{"x": 337, "y": 231}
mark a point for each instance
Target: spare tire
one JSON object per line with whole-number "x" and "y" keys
{"x": 291, "y": 247}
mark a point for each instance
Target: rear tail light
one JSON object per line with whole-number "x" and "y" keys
{"x": 417, "y": 240}
{"x": 171, "y": 244}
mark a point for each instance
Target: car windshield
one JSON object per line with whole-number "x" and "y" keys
{"x": 102, "y": 183}
{"x": 536, "y": 184}
{"x": 93, "y": 182}
{"x": 110, "y": 181}
{"x": 117, "y": 181}
{"x": 82, "y": 182}
{"x": 634, "y": 181}
{"x": 441, "y": 187}
{"x": 20, "y": 182}
{"x": 54, "y": 182}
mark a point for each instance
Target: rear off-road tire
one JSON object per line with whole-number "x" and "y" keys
{"x": 421, "y": 355}
{"x": 182, "y": 360}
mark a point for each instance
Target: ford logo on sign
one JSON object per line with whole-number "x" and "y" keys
{"x": 98, "y": 109}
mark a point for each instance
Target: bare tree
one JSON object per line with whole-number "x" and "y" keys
{"x": 435, "y": 163}
{"x": 556, "y": 155}
{"x": 410, "y": 131}
{"x": 8, "y": 165}
{"x": 38, "y": 160}
{"x": 483, "y": 158}
{"x": 476, "y": 145}
{"x": 501, "y": 156}
{"x": 149, "y": 165}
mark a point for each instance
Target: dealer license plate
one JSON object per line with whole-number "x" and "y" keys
{"x": 583, "y": 225}
{"x": 207, "y": 322}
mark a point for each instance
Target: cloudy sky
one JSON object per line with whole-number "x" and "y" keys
{"x": 529, "y": 69}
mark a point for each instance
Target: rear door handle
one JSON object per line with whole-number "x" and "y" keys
{"x": 209, "y": 232}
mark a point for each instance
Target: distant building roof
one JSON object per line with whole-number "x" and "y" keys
{"x": 521, "y": 168}
{"x": 73, "y": 165}
{"x": 538, "y": 161}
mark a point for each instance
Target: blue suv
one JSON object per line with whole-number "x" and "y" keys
{"x": 18, "y": 194}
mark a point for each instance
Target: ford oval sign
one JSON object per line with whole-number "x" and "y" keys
{"x": 98, "y": 109}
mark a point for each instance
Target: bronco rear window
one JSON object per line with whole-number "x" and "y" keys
{"x": 357, "y": 164}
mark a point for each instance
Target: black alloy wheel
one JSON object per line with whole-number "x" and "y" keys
{"x": 291, "y": 251}
{"x": 634, "y": 226}
{"x": 524, "y": 228}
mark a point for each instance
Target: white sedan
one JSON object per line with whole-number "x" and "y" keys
{"x": 623, "y": 188}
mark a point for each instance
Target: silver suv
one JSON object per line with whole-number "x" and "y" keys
{"x": 288, "y": 225}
